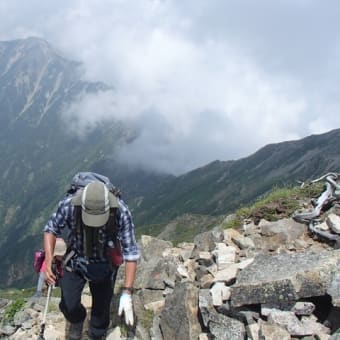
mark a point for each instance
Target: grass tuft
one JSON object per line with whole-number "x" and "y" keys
{"x": 11, "y": 310}
{"x": 277, "y": 204}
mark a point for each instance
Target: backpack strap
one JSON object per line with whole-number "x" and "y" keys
{"x": 89, "y": 235}
{"x": 112, "y": 229}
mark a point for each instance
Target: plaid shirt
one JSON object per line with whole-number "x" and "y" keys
{"x": 64, "y": 217}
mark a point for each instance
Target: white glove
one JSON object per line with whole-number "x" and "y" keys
{"x": 125, "y": 305}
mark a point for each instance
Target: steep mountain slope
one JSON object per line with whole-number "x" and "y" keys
{"x": 38, "y": 155}
{"x": 221, "y": 187}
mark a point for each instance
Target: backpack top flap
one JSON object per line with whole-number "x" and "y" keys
{"x": 81, "y": 179}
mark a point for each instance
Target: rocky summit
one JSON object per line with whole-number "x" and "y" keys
{"x": 264, "y": 280}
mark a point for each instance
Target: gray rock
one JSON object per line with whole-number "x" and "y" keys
{"x": 220, "y": 293}
{"x": 205, "y": 258}
{"x": 20, "y": 317}
{"x": 303, "y": 308}
{"x": 288, "y": 227}
{"x": 243, "y": 242}
{"x": 3, "y": 303}
{"x": 206, "y": 306}
{"x": 285, "y": 278}
{"x": 311, "y": 323}
{"x": 201, "y": 271}
{"x": 182, "y": 252}
{"x": 179, "y": 318}
{"x": 206, "y": 281}
{"x": 224, "y": 255}
{"x": 227, "y": 275}
{"x": 290, "y": 322}
{"x": 151, "y": 265}
{"x": 333, "y": 319}
{"x": 153, "y": 248}
{"x": 273, "y": 332}
{"x": 7, "y": 330}
{"x": 156, "y": 278}
{"x": 186, "y": 249}
{"x": 253, "y": 331}
{"x": 334, "y": 287}
{"x": 333, "y": 221}
{"x": 223, "y": 327}
{"x": 336, "y": 335}
{"x": 205, "y": 242}
{"x": 155, "y": 331}
{"x": 27, "y": 324}
{"x": 115, "y": 334}
{"x": 149, "y": 297}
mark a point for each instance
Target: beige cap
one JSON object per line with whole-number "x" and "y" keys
{"x": 60, "y": 247}
{"x": 95, "y": 200}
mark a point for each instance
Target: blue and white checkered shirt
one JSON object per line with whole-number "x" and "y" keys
{"x": 64, "y": 217}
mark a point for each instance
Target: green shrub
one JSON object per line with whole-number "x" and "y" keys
{"x": 278, "y": 203}
{"x": 15, "y": 293}
{"x": 146, "y": 319}
{"x": 12, "y": 309}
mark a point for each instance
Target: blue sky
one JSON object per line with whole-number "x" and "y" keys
{"x": 200, "y": 80}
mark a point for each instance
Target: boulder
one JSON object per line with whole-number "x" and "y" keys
{"x": 205, "y": 242}
{"x": 179, "y": 318}
{"x": 224, "y": 255}
{"x": 223, "y": 327}
{"x": 333, "y": 221}
{"x": 273, "y": 332}
{"x": 287, "y": 277}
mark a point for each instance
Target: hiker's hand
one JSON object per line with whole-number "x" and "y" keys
{"x": 50, "y": 277}
{"x": 125, "y": 305}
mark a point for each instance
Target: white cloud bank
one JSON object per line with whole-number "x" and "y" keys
{"x": 200, "y": 80}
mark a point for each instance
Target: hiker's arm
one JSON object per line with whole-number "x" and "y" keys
{"x": 126, "y": 233}
{"x": 52, "y": 229}
{"x": 49, "y": 244}
{"x": 125, "y": 301}
{"x": 131, "y": 255}
{"x": 130, "y": 274}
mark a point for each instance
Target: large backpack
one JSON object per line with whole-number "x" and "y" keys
{"x": 81, "y": 179}
{"x": 91, "y": 235}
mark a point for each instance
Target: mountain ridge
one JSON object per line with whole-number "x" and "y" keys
{"x": 39, "y": 159}
{"x": 223, "y": 186}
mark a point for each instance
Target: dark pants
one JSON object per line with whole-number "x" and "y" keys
{"x": 72, "y": 285}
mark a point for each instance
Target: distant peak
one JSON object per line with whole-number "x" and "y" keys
{"x": 35, "y": 42}
{"x": 31, "y": 43}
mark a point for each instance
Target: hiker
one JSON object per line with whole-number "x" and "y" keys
{"x": 59, "y": 252}
{"x": 89, "y": 214}
{"x": 41, "y": 280}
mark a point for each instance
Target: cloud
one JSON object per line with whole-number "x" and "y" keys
{"x": 199, "y": 80}
{"x": 199, "y": 104}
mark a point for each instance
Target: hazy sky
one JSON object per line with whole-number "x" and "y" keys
{"x": 201, "y": 80}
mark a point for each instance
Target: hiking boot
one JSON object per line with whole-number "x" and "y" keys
{"x": 93, "y": 337}
{"x": 74, "y": 331}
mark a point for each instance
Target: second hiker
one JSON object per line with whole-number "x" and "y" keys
{"x": 58, "y": 253}
{"x": 97, "y": 221}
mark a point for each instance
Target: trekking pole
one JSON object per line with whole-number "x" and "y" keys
{"x": 42, "y": 330}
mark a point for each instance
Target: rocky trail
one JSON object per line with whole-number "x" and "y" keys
{"x": 263, "y": 280}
